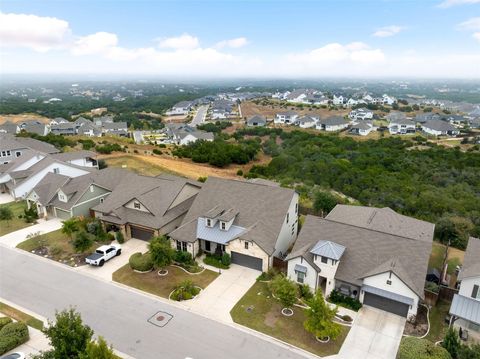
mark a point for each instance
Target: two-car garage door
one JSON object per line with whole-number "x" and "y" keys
{"x": 247, "y": 261}
{"x": 386, "y": 304}
{"x": 140, "y": 233}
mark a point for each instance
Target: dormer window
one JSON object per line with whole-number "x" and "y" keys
{"x": 136, "y": 205}
{"x": 223, "y": 225}
{"x": 56, "y": 170}
{"x": 288, "y": 217}
{"x": 324, "y": 259}
{"x": 209, "y": 222}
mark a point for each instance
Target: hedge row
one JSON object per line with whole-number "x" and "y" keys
{"x": 12, "y": 335}
{"x": 141, "y": 262}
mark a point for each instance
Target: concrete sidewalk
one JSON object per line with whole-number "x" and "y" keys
{"x": 14, "y": 238}
{"x": 218, "y": 299}
{"x": 5, "y": 198}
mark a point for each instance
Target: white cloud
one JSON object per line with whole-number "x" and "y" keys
{"x": 476, "y": 36}
{"x": 449, "y": 3}
{"x": 31, "y": 31}
{"x": 99, "y": 42}
{"x": 184, "y": 41}
{"x": 470, "y": 24}
{"x": 388, "y": 31}
{"x": 233, "y": 43}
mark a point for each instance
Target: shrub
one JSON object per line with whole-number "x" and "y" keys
{"x": 110, "y": 237}
{"x": 185, "y": 290}
{"x": 226, "y": 259}
{"x": 415, "y": 348}
{"x": 344, "y": 301}
{"x": 201, "y": 179}
{"x": 184, "y": 258}
{"x": 4, "y": 321}
{"x": 432, "y": 287}
{"x": 55, "y": 250}
{"x": 12, "y": 335}
{"x": 30, "y": 214}
{"x": 451, "y": 342}
{"x": 141, "y": 262}
{"x": 239, "y": 173}
{"x": 119, "y": 237}
{"x": 82, "y": 241}
{"x": 6, "y": 213}
{"x": 157, "y": 151}
{"x": 305, "y": 291}
{"x": 267, "y": 276}
{"x": 215, "y": 261}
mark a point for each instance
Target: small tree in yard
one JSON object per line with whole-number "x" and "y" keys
{"x": 324, "y": 202}
{"x": 69, "y": 227}
{"x": 285, "y": 290}
{"x": 6, "y": 214}
{"x": 98, "y": 350}
{"x": 451, "y": 342}
{"x": 320, "y": 318}
{"x": 82, "y": 241}
{"x": 161, "y": 251}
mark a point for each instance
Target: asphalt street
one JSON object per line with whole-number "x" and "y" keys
{"x": 121, "y": 315}
{"x": 200, "y": 116}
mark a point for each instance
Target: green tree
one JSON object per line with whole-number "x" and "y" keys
{"x": 415, "y": 348}
{"x": 324, "y": 202}
{"x": 68, "y": 335}
{"x": 82, "y": 241}
{"x": 451, "y": 342}
{"x": 454, "y": 230}
{"x": 469, "y": 352}
{"x": 6, "y": 214}
{"x": 98, "y": 350}
{"x": 320, "y": 318}
{"x": 161, "y": 251}
{"x": 285, "y": 290}
{"x": 70, "y": 226}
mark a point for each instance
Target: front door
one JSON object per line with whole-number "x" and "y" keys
{"x": 207, "y": 246}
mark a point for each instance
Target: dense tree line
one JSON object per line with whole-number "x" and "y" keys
{"x": 436, "y": 184}
{"x": 219, "y": 153}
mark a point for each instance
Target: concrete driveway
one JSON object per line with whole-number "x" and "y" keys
{"x": 128, "y": 248}
{"x": 14, "y": 238}
{"x": 5, "y": 198}
{"x": 218, "y": 299}
{"x": 375, "y": 334}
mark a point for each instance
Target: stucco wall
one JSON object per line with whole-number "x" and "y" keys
{"x": 328, "y": 271}
{"x": 285, "y": 236}
{"x": 238, "y": 245}
{"x": 310, "y": 277}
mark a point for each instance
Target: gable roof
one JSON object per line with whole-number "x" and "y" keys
{"x": 261, "y": 209}
{"x": 439, "y": 125}
{"x": 48, "y": 187}
{"x": 74, "y": 155}
{"x": 471, "y": 262}
{"x": 384, "y": 220}
{"x": 10, "y": 142}
{"x": 257, "y": 119}
{"x": 328, "y": 249}
{"x": 332, "y": 121}
{"x": 367, "y": 252}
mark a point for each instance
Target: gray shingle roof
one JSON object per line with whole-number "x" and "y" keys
{"x": 439, "y": 125}
{"x": 10, "y": 142}
{"x": 332, "y": 121}
{"x": 48, "y": 187}
{"x": 471, "y": 262}
{"x": 261, "y": 210}
{"x": 73, "y": 155}
{"x": 368, "y": 252}
{"x": 383, "y": 220}
{"x": 257, "y": 119}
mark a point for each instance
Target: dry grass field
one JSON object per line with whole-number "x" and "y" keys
{"x": 23, "y": 117}
{"x": 249, "y": 109}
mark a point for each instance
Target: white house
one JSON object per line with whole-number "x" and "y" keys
{"x": 364, "y": 253}
{"x": 389, "y": 100}
{"x": 338, "y": 100}
{"x": 465, "y": 308}
{"x": 439, "y": 128}
{"x": 286, "y": 118}
{"x": 331, "y": 124}
{"x": 306, "y": 122}
{"x": 180, "y": 108}
{"x": 362, "y": 128}
{"x": 360, "y": 114}
{"x": 401, "y": 127}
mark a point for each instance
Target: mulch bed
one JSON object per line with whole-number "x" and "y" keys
{"x": 420, "y": 326}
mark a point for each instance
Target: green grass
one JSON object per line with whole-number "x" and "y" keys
{"x": 161, "y": 286}
{"x": 455, "y": 257}
{"x": 59, "y": 247}
{"x": 21, "y": 316}
{"x": 438, "y": 327}
{"x": 16, "y": 223}
{"x": 266, "y": 317}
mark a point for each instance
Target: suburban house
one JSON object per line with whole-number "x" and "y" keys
{"x": 143, "y": 207}
{"x": 374, "y": 255}
{"x": 21, "y": 175}
{"x": 362, "y": 128}
{"x": 331, "y": 124}
{"x": 401, "y": 126}
{"x": 35, "y": 127}
{"x": 388, "y": 100}
{"x": 253, "y": 221}
{"x": 428, "y": 116}
{"x": 12, "y": 147}
{"x": 286, "y": 118}
{"x": 338, "y": 100}
{"x": 465, "y": 308}
{"x": 221, "y": 109}
{"x": 58, "y": 120}
{"x": 439, "y": 128}
{"x": 180, "y": 108}
{"x": 395, "y": 116}
{"x": 64, "y": 197}
{"x": 9, "y": 127}
{"x": 360, "y": 114}
{"x": 79, "y": 158}
{"x": 115, "y": 128}
{"x": 182, "y": 134}
{"x": 65, "y": 129}
{"x": 306, "y": 122}
{"x": 257, "y": 121}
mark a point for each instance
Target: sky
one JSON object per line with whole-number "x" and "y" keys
{"x": 242, "y": 38}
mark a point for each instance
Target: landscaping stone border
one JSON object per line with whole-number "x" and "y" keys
{"x": 142, "y": 272}
{"x": 288, "y": 312}
{"x": 196, "y": 286}
{"x": 186, "y": 271}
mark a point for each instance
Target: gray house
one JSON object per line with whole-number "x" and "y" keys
{"x": 12, "y": 147}
{"x": 257, "y": 121}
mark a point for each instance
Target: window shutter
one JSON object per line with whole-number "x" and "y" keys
{"x": 475, "y": 291}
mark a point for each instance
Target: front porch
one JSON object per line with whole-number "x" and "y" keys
{"x": 211, "y": 247}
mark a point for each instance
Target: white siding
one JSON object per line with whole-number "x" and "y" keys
{"x": 466, "y": 287}
{"x": 310, "y": 277}
{"x": 328, "y": 271}
{"x": 288, "y": 233}
{"x": 132, "y": 206}
{"x": 82, "y": 162}
{"x": 397, "y": 286}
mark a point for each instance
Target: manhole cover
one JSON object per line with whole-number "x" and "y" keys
{"x": 160, "y": 319}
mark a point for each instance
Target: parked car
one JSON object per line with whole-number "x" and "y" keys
{"x": 103, "y": 254}
{"x": 16, "y": 355}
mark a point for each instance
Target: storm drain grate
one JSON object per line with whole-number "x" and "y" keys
{"x": 160, "y": 319}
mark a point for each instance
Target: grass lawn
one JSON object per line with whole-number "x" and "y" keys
{"x": 438, "y": 327}
{"x": 161, "y": 286}
{"x": 16, "y": 223}
{"x": 57, "y": 246}
{"x": 135, "y": 164}
{"x": 21, "y": 316}
{"x": 265, "y": 317}
{"x": 455, "y": 257}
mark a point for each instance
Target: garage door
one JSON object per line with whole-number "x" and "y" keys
{"x": 247, "y": 261}
{"x": 140, "y": 233}
{"x": 386, "y": 304}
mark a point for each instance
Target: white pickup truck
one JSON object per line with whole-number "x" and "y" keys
{"x": 103, "y": 254}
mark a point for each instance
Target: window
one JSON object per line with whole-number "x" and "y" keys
{"x": 9, "y": 153}
{"x": 389, "y": 282}
{"x": 246, "y": 245}
{"x": 209, "y": 222}
{"x": 296, "y": 207}
{"x": 179, "y": 246}
{"x": 56, "y": 170}
{"x": 300, "y": 277}
{"x": 18, "y": 154}
{"x": 288, "y": 216}
{"x": 101, "y": 200}
{"x": 223, "y": 225}
{"x": 4, "y": 153}
{"x": 136, "y": 205}
{"x": 184, "y": 246}
{"x": 324, "y": 259}
{"x": 476, "y": 291}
